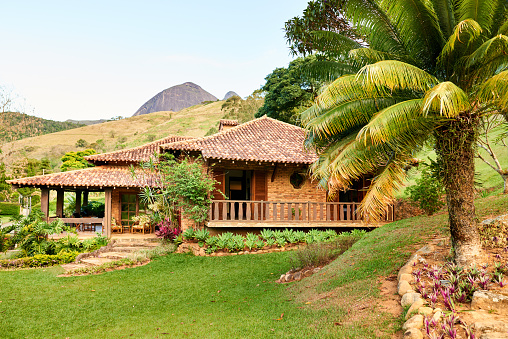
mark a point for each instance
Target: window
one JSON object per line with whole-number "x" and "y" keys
{"x": 297, "y": 180}
{"x": 131, "y": 206}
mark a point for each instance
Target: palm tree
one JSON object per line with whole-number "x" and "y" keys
{"x": 425, "y": 73}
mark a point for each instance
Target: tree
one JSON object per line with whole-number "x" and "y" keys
{"x": 426, "y": 73}
{"x": 81, "y": 143}
{"x": 76, "y": 160}
{"x": 488, "y": 125}
{"x": 289, "y": 91}
{"x": 183, "y": 184}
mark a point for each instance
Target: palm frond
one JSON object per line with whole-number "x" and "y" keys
{"x": 371, "y": 21}
{"x": 447, "y": 99}
{"x": 333, "y": 44}
{"x": 326, "y": 70}
{"x": 388, "y": 123}
{"x": 464, "y": 34}
{"x": 445, "y": 14}
{"x": 481, "y": 11}
{"x": 488, "y": 51}
{"x": 382, "y": 190}
{"x": 421, "y": 35}
{"x": 495, "y": 90}
{"x": 395, "y": 75}
{"x": 361, "y": 57}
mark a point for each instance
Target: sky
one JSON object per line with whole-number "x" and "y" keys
{"x": 99, "y": 59}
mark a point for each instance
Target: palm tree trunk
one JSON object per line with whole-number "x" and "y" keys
{"x": 455, "y": 146}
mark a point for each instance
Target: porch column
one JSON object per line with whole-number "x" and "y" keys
{"x": 106, "y": 224}
{"x": 59, "y": 203}
{"x": 45, "y": 202}
{"x": 78, "y": 203}
{"x": 85, "y": 198}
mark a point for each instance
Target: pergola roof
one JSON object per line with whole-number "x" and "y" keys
{"x": 264, "y": 140}
{"x": 93, "y": 177}
{"x": 136, "y": 154}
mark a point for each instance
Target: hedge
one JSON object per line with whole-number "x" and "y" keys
{"x": 39, "y": 260}
{"x": 9, "y": 208}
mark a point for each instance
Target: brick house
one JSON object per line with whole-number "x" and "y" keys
{"x": 261, "y": 168}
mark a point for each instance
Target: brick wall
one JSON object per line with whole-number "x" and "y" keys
{"x": 282, "y": 190}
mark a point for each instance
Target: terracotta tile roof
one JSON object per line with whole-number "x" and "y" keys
{"x": 227, "y": 122}
{"x": 264, "y": 139}
{"x": 100, "y": 176}
{"x": 136, "y": 154}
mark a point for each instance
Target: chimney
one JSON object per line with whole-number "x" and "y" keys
{"x": 226, "y": 124}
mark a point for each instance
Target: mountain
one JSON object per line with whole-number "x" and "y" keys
{"x": 176, "y": 98}
{"x": 16, "y": 126}
{"x": 229, "y": 95}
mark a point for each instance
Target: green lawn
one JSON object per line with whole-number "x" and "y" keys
{"x": 181, "y": 296}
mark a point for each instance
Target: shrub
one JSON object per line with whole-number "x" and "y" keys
{"x": 8, "y": 208}
{"x": 166, "y": 233}
{"x": 40, "y": 260}
{"x": 202, "y": 234}
{"x": 320, "y": 253}
{"x": 267, "y": 234}
{"x": 427, "y": 191}
{"x": 189, "y": 233}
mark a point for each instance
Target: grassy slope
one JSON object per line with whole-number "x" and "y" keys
{"x": 180, "y": 296}
{"x": 192, "y": 121}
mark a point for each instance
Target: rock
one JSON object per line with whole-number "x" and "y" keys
{"x": 404, "y": 288}
{"x": 413, "y": 333}
{"x": 490, "y": 326}
{"x": 307, "y": 273}
{"x": 437, "y": 316}
{"x": 315, "y": 270}
{"x": 409, "y": 298}
{"x": 414, "y": 322}
{"x": 427, "y": 249}
{"x": 412, "y": 260}
{"x": 414, "y": 308}
{"x": 425, "y": 311}
{"x": 406, "y": 277}
{"x": 405, "y": 270}
{"x": 289, "y": 277}
{"x": 282, "y": 277}
{"x": 490, "y": 301}
{"x": 298, "y": 276}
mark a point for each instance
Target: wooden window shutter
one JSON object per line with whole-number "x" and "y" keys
{"x": 259, "y": 186}
{"x": 220, "y": 185}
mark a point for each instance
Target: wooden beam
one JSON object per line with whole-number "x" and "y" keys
{"x": 60, "y": 203}
{"x": 106, "y": 225}
{"x": 274, "y": 172}
{"x": 45, "y": 202}
{"x": 85, "y": 198}
{"x": 78, "y": 202}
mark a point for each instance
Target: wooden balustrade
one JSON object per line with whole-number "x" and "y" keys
{"x": 285, "y": 211}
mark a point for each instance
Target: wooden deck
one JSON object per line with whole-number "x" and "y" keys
{"x": 289, "y": 224}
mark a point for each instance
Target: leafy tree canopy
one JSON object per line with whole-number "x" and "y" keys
{"x": 289, "y": 91}
{"x": 76, "y": 160}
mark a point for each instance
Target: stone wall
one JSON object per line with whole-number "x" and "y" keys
{"x": 282, "y": 190}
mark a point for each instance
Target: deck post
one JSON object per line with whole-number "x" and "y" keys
{"x": 45, "y": 202}
{"x": 106, "y": 225}
{"x": 59, "y": 203}
{"x": 85, "y": 198}
{"x": 78, "y": 203}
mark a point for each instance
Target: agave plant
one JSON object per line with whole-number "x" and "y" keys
{"x": 425, "y": 72}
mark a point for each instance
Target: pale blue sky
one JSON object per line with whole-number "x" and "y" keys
{"x": 99, "y": 59}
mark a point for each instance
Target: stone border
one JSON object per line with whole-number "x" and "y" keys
{"x": 413, "y": 325}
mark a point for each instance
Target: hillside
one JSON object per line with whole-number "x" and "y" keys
{"x": 112, "y": 135}
{"x": 16, "y": 126}
{"x": 176, "y": 98}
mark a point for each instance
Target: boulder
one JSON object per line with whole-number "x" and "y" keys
{"x": 414, "y": 322}
{"x": 414, "y": 308}
{"x": 404, "y": 287}
{"x": 406, "y": 269}
{"x": 407, "y": 277}
{"x": 425, "y": 311}
{"x": 413, "y": 333}
{"x": 298, "y": 276}
{"x": 490, "y": 301}
{"x": 409, "y": 298}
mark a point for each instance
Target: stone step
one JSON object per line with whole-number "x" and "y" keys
{"x": 136, "y": 244}
{"x": 115, "y": 255}
{"x": 129, "y": 249}
{"x": 73, "y": 266}
{"x": 96, "y": 261}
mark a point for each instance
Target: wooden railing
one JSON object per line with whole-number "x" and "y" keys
{"x": 285, "y": 211}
